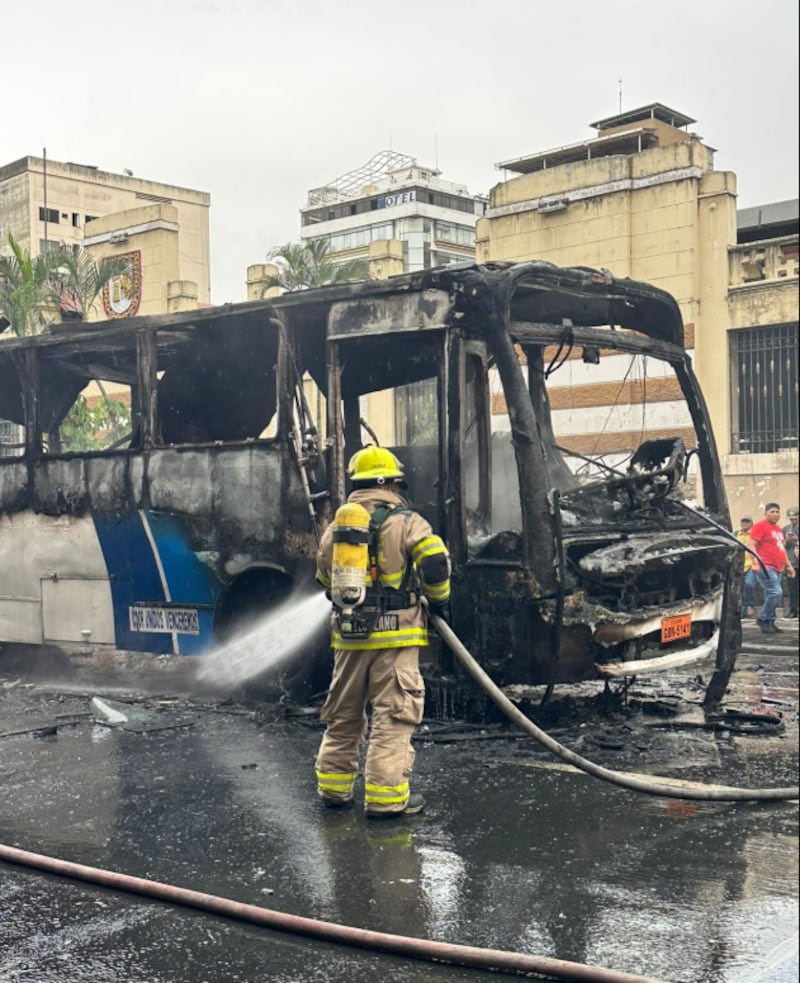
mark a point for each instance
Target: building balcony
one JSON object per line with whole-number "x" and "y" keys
{"x": 767, "y": 261}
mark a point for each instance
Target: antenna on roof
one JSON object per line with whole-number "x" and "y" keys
{"x": 620, "y": 94}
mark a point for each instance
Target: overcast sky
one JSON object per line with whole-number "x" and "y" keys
{"x": 256, "y": 101}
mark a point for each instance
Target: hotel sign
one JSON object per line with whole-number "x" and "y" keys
{"x": 402, "y": 198}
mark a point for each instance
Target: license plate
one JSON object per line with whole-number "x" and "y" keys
{"x": 678, "y": 627}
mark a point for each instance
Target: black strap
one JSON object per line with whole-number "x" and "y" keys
{"x": 388, "y": 599}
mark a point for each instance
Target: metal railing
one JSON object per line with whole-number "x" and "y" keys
{"x": 765, "y": 389}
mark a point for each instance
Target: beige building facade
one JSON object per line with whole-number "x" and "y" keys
{"x": 642, "y": 200}
{"x": 161, "y": 229}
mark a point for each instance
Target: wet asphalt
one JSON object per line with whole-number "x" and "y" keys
{"x": 515, "y": 851}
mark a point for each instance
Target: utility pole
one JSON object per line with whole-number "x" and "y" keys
{"x": 44, "y": 181}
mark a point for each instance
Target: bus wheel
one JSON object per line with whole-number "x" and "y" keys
{"x": 251, "y": 596}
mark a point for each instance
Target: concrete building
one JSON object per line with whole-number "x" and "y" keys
{"x": 642, "y": 199}
{"x": 160, "y": 230}
{"x": 391, "y": 212}
{"x": 390, "y": 199}
{"x": 163, "y": 230}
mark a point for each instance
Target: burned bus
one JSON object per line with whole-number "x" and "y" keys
{"x": 199, "y": 501}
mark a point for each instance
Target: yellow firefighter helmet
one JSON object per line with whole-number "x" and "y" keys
{"x": 374, "y": 464}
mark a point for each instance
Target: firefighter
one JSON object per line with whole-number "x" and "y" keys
{"x": 376, "y": 635}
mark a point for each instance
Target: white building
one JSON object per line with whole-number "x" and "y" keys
{"x": 393, "y": 200}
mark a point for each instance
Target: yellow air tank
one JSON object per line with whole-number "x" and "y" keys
{"x": 350, "y": 562}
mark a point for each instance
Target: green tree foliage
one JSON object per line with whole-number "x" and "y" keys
{"x": 34, "y": 289}
{"x": 304, "y": 265}
{"x": 24, "y": 286}
{"x": 87, "y": 428}
{"x": 76, "y": 280}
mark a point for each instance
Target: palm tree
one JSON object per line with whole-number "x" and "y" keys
{"x": 23, "y": 289}
{"x": 33, "y": 289}
{"x": 308, "y": 264}
{"x": 76, "y": 280}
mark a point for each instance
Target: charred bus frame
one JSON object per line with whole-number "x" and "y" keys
{"x": 210, "y": 507}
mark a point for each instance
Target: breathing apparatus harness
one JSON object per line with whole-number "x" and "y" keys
{"x": 359, "y": 599}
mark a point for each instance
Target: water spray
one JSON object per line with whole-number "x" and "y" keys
{"x": 271, "y": 642}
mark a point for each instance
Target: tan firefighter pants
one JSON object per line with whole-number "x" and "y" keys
{"x": 389, "y": 680}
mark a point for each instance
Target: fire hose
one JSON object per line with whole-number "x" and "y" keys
{"x": 407, "y": 947}
{"x": 667, "y": 787}
{"x": 496, "y": 960}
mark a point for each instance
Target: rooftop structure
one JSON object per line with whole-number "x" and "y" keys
{"x": 625, "y": 133}
{"x": 394, "y": 199}
{"x": 386, "y": 170}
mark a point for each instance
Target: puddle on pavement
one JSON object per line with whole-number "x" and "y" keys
{"x": 515, "y": 851}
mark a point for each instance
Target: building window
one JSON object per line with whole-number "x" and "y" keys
{"x": 461, "y": 234}
{"x": 355, "y": 238}
{"x": 416, "y": 413}
{"x": 50, "y": 215}
{"x": 765, "y": 389}
{"x": 12, "y": 439}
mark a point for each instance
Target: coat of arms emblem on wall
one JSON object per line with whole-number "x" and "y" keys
{"x": 123, "y": 292}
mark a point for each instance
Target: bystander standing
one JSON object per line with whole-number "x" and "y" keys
{"x": 767, "y": 539}
{"x": 749, "y": 584}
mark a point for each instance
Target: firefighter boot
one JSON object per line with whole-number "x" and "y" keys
{"x": 336, "y": 803}
{"x": 415, "y": 804}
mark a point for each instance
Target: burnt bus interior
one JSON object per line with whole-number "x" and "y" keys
{"x": 563, "y": 560}
{"x": 195, "y": 416}
{"x": 627, "y": 543}
{"x": 212, "y": 384}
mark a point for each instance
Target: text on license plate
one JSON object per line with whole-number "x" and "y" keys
{"x": 677, "y": 627}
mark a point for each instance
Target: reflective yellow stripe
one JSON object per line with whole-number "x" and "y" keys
{"x": 336, "y": 781}
{"x": 438, "y": 592}
{"x": 392, "y": 579}
{"x": 382, "y": 639}
{"x": 324, "y": 579}
{"x": 386, "y": 794}
{"x": 427, "y": 547}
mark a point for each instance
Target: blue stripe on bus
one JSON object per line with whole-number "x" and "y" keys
{"x": 135, "y": 579}
{"x": 190, "y": 581}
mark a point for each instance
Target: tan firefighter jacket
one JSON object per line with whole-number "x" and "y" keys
{"x": 405, "y": 539}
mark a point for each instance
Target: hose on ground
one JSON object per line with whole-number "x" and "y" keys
{"x": 667, "y": 787}
{"x": 495, "y": 960}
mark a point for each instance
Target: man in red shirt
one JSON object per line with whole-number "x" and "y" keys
{"x": 766, "y": 537}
